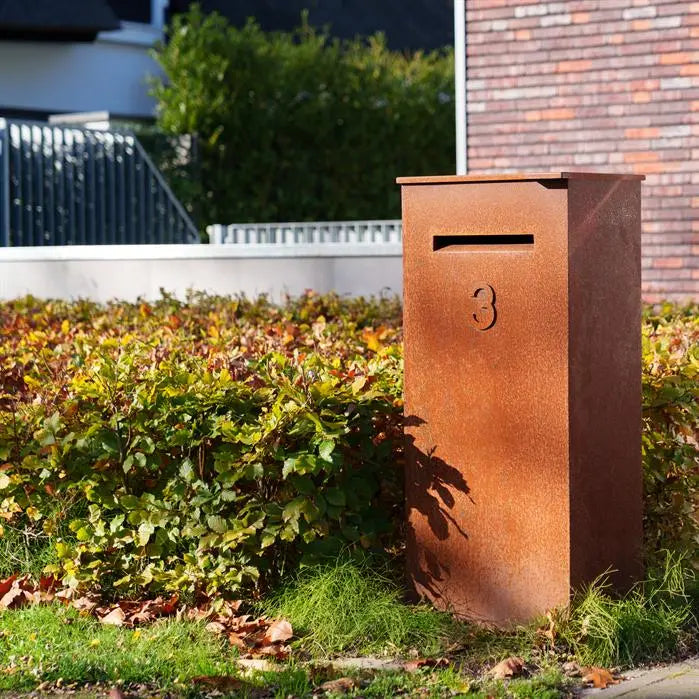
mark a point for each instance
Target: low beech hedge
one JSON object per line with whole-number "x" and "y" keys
{"x": 217, "y": 443}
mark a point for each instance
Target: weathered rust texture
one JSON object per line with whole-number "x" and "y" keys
{"x": 522, "y": 388}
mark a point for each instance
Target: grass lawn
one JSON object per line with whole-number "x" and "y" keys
{"x": 349, "y": 608}
{"x": 54, "y": 647}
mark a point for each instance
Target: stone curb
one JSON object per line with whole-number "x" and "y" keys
{"x": 678, "y": 680}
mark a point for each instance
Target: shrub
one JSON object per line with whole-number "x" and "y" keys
{"x": 216, "y": 443}
{"x": 202, "y": 446}
{"x": 296, "y": 126}
{"x": 671, "y": 429}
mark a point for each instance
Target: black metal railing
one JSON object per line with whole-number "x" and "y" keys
{"x": 67, "y": 185}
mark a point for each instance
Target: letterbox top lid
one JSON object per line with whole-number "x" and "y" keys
{"x": 516, "y": 176}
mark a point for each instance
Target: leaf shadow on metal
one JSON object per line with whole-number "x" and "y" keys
{"x": 432, "y": 484}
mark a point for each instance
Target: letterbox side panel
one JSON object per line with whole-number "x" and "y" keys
{"x": 486, "y": 396}
{"x": 605, "y": 379}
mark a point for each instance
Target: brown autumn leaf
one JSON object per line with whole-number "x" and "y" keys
{"x": 49, "y": 583}
{"x": 13, "y": 598}
{"x": 273, "y": 651}
{"x": 278, "y": 632}
{"x": 20, "y": 593}
{"x": 414, "y": 665}
{"x": 83, "y": 604}
{"x": 235, "y": 640}
{"x": 571, "y": 669}
{"x": 116, "y": 617}
{"x": 6, "y": 585}
{"x": 505, "y": 669}
{"x": 598, "y": 677}
{"x": 341, "y": 685}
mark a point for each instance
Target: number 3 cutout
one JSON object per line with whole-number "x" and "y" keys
{"x": 485, "y": 313}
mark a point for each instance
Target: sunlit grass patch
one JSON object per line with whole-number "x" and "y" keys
{"x": 48, "y": 643}
{"x": 354, "y": 606}
{"x": 648, "y": 624}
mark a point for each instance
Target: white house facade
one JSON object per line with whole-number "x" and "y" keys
{"x": 65, "y": 65}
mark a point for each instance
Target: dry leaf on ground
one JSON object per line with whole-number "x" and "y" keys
{"x": 598, "y": 677}
{"x": 6, "y": 585}
{"x": 115, "y": 617}
{"x": 505, "y": 669}
{"x": 18, "y": 592}
{"x": 341, "y": 685}
{"x": 278, "y": 632}
{"x": 572, "y": 669}
{"x": 254, "y": 637}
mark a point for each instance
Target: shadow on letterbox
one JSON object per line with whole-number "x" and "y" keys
{"x": 430, "y": 486}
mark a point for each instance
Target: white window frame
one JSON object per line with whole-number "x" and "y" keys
{"x": 140, "y": 33}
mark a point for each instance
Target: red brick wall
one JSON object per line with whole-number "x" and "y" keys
{"x": 605, "y": 85}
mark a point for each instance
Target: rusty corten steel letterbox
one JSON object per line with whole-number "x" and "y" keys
{"x": 522, "y": 388}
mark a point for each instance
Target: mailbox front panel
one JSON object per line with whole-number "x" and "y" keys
{"x": 486, "y": 395}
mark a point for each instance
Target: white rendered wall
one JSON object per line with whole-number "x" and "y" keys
{"x": 107, "y": 75}
{"x": 126, "y": 272}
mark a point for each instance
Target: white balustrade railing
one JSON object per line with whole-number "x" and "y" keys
{"x": 295, "y": 233}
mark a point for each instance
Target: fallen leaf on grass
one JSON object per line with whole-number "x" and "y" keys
{"x": 278, "y": 632}
{"x": 254, "y": 637}
{"x": 505, "y": 669}
{"x": 115, "y": 617}
{"x": 19, "y": 593}
{"x": 82, "y": 604}
{"x": 235, "y": 640}
{"x": 571, "y": 669}
{"x": 341, "y": 685}
{"x": 275, "y": 650}
{"x": 598, "y": 677}
{"x": 6, "y": 585}
{"x": 414, "y": 665}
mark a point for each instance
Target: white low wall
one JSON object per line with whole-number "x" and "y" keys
{"x": 104, "y": 272}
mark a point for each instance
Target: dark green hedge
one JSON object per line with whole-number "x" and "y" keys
{"x": 299, "y": 126}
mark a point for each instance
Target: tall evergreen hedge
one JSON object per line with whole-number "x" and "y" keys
{"x": 299, "y": 126}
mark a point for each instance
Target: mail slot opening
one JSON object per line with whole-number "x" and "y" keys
{"x": 440, "y": 242}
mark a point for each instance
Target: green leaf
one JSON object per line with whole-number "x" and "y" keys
{"x": 325, "y": 449}
{"x": 109, "y": 441}
{"x": 145, "y": 530}
{"x": 129, "y": 502}
{"x": 335, "y": 497}
{"x": 293, "y": 509}
{"x": 217, "y": 523}
{"x": 116, "y": 523}
{"x": 187, "y": 470}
